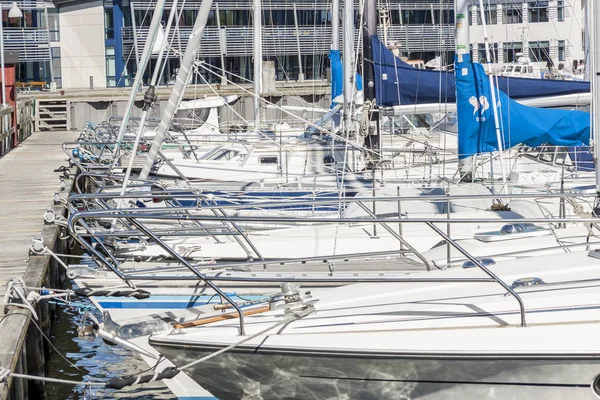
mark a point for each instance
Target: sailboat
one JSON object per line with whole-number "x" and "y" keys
{"x": 516, "y": 329}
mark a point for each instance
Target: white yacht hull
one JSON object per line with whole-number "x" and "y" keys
{"x": 239, "y": 374}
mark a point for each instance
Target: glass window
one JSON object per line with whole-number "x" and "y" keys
{"x": 561, "y": 50}
{"x": 111, "y": 74}
{"x": 510, "y": 51}
{"x": 53, "y": 25}
{"x": 537, "y": 11}
{"x": 561, "y": 10}
{"x": 483, "y": 55}
{"x": 56, "y": 65}
{"x": 539, "y": 51}
{"x": 109, "y": 28}
{"x": 491, "y": 14}
{"x": 512, "y": 13}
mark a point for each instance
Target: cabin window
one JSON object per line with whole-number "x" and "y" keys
{"x": 563, "y": 157}
{"x": 267, "y": 160}
{"x": 224, "y": 155}
{"x": 547, "y": 154}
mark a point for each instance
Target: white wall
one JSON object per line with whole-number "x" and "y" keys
{"x": 82, "y": 45}
{"x": 570, "y": 30}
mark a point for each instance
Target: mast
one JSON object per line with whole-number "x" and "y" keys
{"x": 370, "y": 102}
{"x": 152, "y": 33}
{"x": 347, "y": 62}
{"x": 335, "y": 25}
{"x": 595, "y": 85}
{"x": 149, "y": 96}
{"x": 493, "y": 93}
{"x": 587, "y": 37}
{"x": 335, "y": 45}
{"x": 461, "y": 11}
{"x": 185, "y": 68}
{"x": 257, "y": 16}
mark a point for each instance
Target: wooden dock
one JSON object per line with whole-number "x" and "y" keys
{"x": 27, "y": 186}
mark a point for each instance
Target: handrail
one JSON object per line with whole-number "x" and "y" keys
{"x": 185, "y": 194}
{"x": 134, "y": 219}
{"x": 483, "y": 268}
{"x": 398, "y": 237}
{"x": 75, "y": 219}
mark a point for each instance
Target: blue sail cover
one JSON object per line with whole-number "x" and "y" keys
{"x": 337, "y": 75}
{"x": 397, "y": 83}
{"x": 518, "y": 123}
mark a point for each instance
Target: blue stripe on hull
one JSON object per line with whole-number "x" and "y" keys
{"x": 168, "y": 302}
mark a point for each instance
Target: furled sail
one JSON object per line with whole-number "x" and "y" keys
{"x": 518, "y": 123}
{"x": 397, "y": 83}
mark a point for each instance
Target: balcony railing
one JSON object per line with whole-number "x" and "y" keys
{"x": 33, "y": 44}
{"x": 300, "y": 5}
{"x": 283, "y": 40}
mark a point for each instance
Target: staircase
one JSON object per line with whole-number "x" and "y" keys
{"x": 53, "y": 115}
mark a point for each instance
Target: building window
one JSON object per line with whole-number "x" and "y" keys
{"x": 561, "y": 10}
{"x": 512, "y": 13}
{"x": 561, "y": 50}
{"x": 109, "y": 27}
{"x": 418, "y": 17}
{"x": 539, "y": 51}
{"x": 510, "y": 51}
{"x": 56, "y": 66}
{"x": 111, "y": 74}
{"x": 491, "y": 14}
{"x": 537, "y": 11}
{"x": 483, "y": 55}
{"x": 53, "y": 26}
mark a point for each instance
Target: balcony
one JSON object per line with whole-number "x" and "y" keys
{"x": 283, "y": 40}
{"x": 33, "y": 44}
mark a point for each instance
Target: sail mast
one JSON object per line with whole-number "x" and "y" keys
{"x": 335, "y": 25}
{"x": 595, "y": 83}
{"x": 257, "y": 16}
{"x": 150, "y": 96}
{"x": 347, "y": 62}
{"x": 461, "y": 11}
{"x": 370, "y": 103}
{"x": 152, "y": 33}
{"x": 493, "y": 93}
{"x": 185, "y": 68}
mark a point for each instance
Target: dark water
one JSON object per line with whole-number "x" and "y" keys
{"x": 97, "y": 362}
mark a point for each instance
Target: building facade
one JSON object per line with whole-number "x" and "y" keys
{"x": 542, "y": 30}
{"x": 98, "y": 43}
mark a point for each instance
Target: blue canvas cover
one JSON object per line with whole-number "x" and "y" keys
{"x": 337, "y": 75}
{"x": 397, "y": 83}
{"x": 518, "y": 123}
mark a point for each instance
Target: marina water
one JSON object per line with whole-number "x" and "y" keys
{"x": 96, "y": 362}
